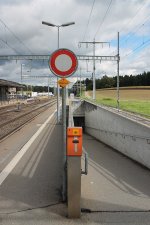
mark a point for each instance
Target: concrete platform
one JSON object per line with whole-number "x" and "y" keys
{"x": 36, "y": 180}
{"x": 116, "y": 190}
{"x": 114, "y": 182}
{"x": 55, "y": 215}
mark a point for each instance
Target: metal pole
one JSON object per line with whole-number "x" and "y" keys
{"x": 58, "y": 92}
{"x": 64, "y": 141}
{"x": 84, "y": 87}
{"x": 67, "y": 93}
{"x": 77, "y": 85}
{"x": 21, "y": 81}
{"x": 48, "y": 87}
{"x": 118, "y": 97}
{"x": 80, "y": 82}
{"x": 94, "y": 69}
{"x": 58, "y": 36}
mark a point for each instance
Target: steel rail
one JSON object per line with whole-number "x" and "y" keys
{"x": 27, "y": 113}
{"x": 18, "y": 126}
{"x": 11, "y": 108}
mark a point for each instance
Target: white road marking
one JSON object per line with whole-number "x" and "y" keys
{"x": 34, "y": 160}
{"x": 7, "y": 170}
{"x": 38, "y": 125}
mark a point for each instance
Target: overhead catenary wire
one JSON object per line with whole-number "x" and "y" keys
{"x": 100, "y": 25}
{"x": 129, "y": 36}
{"x": 135, "y": 49}
{"x": 6, "y": 43}
{"x": 130, "y": 21}
{"x": 135, "y": 30}
{"x": 16, "y": 37}
{"x": 88, "y": 20}
{"x": 134, "y": 16}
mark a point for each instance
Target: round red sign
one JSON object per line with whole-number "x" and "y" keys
{"x": 63, "y": 63}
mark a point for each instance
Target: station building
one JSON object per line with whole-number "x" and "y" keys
{"x": 8, "y": 89}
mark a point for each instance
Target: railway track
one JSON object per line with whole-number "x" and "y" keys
{"x": 22, "y": 105}
{"x": 10, "y": 121}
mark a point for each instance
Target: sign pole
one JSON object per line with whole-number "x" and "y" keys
{"x": 58, "y": 91}
{"x": 64, "y": 141}
{"x": 58, "y": 110}
{"x": 63, "y": 63}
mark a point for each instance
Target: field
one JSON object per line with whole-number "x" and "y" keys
{"x": 135, "y": 99}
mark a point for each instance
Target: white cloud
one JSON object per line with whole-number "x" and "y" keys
{"x": 24, "y": 18}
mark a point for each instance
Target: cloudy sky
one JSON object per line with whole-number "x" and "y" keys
{"x": 22, "y": 32}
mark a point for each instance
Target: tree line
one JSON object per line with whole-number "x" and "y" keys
{"x": 124, "y": 81}
{"x": 38, "y": 88}
{"x": 105, "y": 82}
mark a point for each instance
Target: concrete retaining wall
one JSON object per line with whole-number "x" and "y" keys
{"x": 123, "y": 134}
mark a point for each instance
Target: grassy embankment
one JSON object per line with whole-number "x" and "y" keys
{"x": 133, "y": 99}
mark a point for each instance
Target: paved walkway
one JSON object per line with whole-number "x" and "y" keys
{"x": 116, "y": 190}
{"x": 114, "y": 181}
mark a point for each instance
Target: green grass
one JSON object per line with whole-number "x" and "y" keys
{"x": 139, "y": 107}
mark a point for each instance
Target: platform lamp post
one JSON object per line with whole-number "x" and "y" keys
{"x": 58, "y": 26}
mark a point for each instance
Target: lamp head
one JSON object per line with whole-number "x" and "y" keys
{"x": 48, "y": 24}
{"x": 67, "y": 24}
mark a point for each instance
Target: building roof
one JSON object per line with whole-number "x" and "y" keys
{"x": 9, "y": 83}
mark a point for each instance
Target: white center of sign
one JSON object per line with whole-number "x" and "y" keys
{"x": 63, "y": 62}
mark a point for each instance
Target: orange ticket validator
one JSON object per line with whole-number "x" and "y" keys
{"x": 74, "y": 141}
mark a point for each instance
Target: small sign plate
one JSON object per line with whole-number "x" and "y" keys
{"x": 63, "y": 82}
